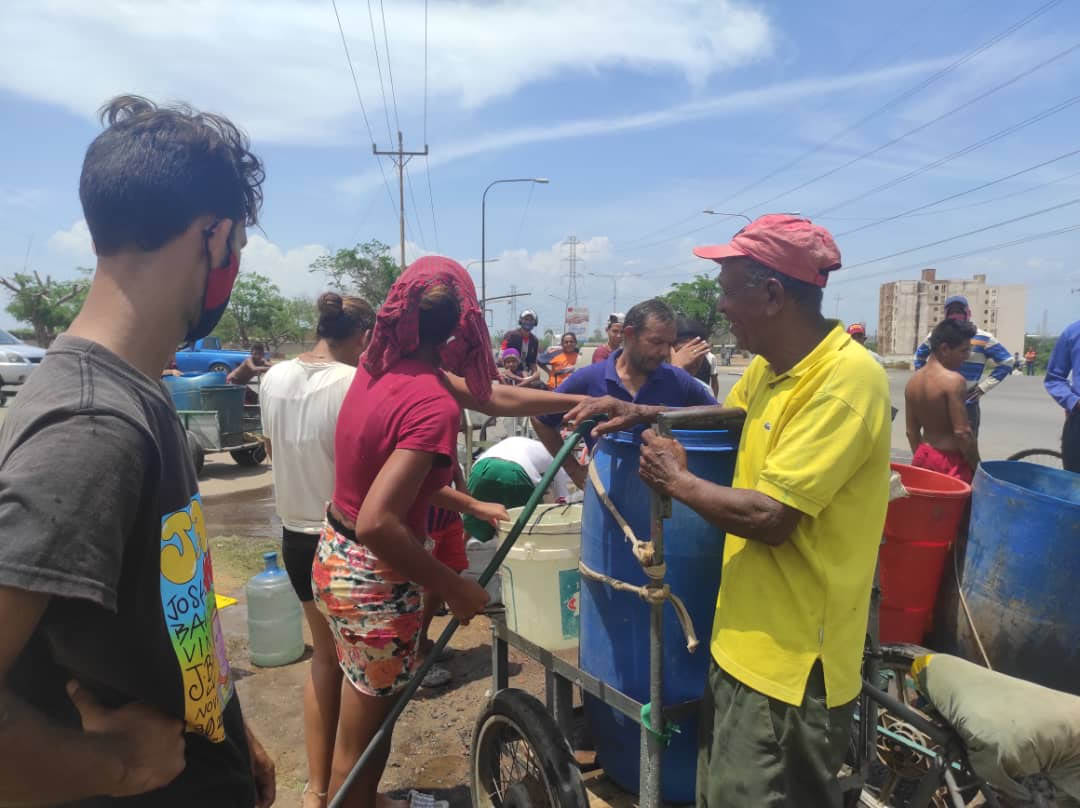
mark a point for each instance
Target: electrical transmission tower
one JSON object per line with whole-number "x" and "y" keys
{"x": 571, "y": 284}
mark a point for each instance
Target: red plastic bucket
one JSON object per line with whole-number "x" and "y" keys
{"x": 919, "y": 529}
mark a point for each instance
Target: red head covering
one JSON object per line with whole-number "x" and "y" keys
{"x": 397, "y": 325}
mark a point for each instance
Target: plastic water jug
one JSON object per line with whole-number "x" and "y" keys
{"x": 275, "y": 633}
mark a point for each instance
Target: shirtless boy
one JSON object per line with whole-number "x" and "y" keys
{"x": 938, "y": 429}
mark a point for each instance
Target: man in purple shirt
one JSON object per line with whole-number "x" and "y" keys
{"x": 637, "y": 372}
{"x": 1065, "y": 360}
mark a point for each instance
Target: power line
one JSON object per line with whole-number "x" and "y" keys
{"x": 873, "y": 48}
{"x": 378, "y": 65}
{"x": 363, "y": 111}
{"x": 921, "y": 127}
{"x": 897, "y": 100}
{"x": 968, "y": 233}
{"x": 427, "y": 165}
{"x": 912, "y": 211}
{"x": 968, "y": 206}
{"x": 956, "y": 256}
{"x": 416, "y": 210}
{"x": 1008, "y": 130}
{"x": 389, "y": 69}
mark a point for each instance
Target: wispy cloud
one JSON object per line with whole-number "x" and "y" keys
{"x": 277, "y": 66}
{"x": 719, "y": 106}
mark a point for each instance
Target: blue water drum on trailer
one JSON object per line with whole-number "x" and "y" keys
{"x": 1022, "y": 573}
{"x": 185, "y": 389}
{"x": 615, "y": 625}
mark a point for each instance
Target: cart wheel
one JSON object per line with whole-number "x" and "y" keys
{"x": 249, "y": 457}
{"x": 198, "y": 456}
{"x": 520, "y": 759}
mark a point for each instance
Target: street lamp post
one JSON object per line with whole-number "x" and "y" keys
{"x": 614, "y": 281}
{"x": 483, "y": 230}
{"x": 712, "y": 212}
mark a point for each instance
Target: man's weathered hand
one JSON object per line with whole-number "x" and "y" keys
{"x": 621, "y": 414}
{"x": 663, "y": 462}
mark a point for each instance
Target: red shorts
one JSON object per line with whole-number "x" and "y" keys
{"x": 450, "y": 545}
{"x": 949, "y": 462}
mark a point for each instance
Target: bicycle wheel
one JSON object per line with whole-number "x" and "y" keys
{"x": 905, "y": 755}
{"x": 1043, "y": 457}
{"x": 520, "y": 759}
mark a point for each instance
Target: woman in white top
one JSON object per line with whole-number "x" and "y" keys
{"x": 300, "y": 401}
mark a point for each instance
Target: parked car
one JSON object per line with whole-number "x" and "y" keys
{"x": 207, "y": 356}
{"x": 17, "y": 359}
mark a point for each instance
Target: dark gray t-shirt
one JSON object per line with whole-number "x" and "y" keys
{"x": 100, "y": 509}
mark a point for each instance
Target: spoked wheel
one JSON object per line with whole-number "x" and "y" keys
{"x": 905, "y": 753}
{"x": 520, "y": 759}
{"x": 1044, "y": 457}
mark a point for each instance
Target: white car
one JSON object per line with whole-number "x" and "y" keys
{"x": 17, "y": 360}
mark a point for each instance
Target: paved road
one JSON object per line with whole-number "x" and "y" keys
{"x": 1016, "y": 415}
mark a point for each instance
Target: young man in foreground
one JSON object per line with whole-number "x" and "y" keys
{"x": 114, "y": 686}
{"x": 938, "y": 429}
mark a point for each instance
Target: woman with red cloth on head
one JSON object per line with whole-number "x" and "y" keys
{"x": 394, "y": 450}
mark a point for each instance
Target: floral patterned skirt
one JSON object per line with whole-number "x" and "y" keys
{"x": 374, "y": 613}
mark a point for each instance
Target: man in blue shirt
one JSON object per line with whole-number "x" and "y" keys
{"x": 984, "y": 349}
{"x": 1065, "y": 360}
{"x": 638, "y": 372}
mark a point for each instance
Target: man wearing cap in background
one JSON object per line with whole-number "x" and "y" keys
{"x": 857, "y": 331}
{"x": 803, "y": 518}
{"x": 984, "y": 349}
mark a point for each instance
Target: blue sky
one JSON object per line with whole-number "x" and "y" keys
{"x": 642, "y": 114}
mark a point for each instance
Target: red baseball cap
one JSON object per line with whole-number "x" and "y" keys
{"x": 856, "y": 328}
{"x": 792, "y": 246}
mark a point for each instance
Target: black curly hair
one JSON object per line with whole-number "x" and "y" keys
{"x": 154, "y": 170}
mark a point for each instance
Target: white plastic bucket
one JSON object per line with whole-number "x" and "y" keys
{"x": 541, "y": 585}
{"x": 480, "y": 554}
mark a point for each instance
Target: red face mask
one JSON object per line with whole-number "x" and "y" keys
{"x": 216, "y": 293}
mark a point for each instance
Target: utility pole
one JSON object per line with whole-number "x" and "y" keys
{"x": 401, "y": 159}
{"x": 513, "y": 306}
{"x": 838, "y": 299}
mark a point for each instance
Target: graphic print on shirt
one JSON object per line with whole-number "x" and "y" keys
{"x": 191, "y": 618}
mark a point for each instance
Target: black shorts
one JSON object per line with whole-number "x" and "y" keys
{"x": 298, "y": 553}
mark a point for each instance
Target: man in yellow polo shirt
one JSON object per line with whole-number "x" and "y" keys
{"x": 803, "y": 517}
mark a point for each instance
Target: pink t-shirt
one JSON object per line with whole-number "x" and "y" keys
{"x": 405, "y": 408}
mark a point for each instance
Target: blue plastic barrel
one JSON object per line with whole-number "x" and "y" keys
{"x": 1021, "y": 573}
{"x": 185, "y": 389}
{"x": 615, "y": 625}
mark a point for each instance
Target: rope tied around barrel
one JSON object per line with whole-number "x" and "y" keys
{"x": 652, "y": 594}
{"x": 655, "y": 592}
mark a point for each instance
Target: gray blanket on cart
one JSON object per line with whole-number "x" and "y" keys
{"x": 1012, "y": 728}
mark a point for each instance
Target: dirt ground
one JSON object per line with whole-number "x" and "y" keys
{"x": 431, "y": 744}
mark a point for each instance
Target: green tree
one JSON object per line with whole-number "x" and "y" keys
{"x": 698, "y": 299}
{"x": 255, "y": 305}
{"x": 48, "y": 306}
{"x": 295, "y": 321}
{"x": 366, "y": 270}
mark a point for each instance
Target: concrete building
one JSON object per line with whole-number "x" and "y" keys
{"x": 908, "y": 310}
